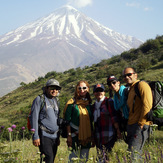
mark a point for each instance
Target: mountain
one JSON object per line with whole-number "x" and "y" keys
{"x": 147, "y": 60}
{"x": 62, "y": 40}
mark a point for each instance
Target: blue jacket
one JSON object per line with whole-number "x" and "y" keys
{"x": 47, "y": 117}
{"x": 121, "y": 102}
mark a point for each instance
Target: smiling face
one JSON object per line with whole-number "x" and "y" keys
{"x": 114, "y": 85}
{"x": 82, "y": 89}
{"x": 52, "y": 91}
{"x": 129, "y": 76}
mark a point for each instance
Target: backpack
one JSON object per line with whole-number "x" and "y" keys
{"x": 156, "y": 113}
{"x": 42, "y": 98}
{"x": 126, "y": 91}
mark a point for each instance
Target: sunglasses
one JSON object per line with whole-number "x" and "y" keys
{"x": 54, "y": 88}
{"x": 114, "y": 82}
{"x": 128, "y": 74}
{"x": 80, "y": 88}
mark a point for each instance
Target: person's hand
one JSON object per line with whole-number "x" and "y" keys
{"x": 119, "y": 135}
{"x": 58, "y": 142}
{"x": 36, "y": 142}
{"x": 93, "y": 144}
{"x": 141, "y": 126}
{"x": 69, "y": 141}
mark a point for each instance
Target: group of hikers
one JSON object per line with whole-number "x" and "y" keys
{"x": 96, "y": 124}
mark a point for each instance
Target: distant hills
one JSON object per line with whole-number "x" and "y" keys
{"x": 62, "y": 40}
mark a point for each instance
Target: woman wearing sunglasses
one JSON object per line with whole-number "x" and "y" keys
{"x": 106, "y": 129}
{"x": 78, "y": 113}
{"x": 120, "y": 100}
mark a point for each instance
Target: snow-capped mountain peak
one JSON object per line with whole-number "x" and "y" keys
{"x": 59, "y": 41}
{"x": 60, "y": 22}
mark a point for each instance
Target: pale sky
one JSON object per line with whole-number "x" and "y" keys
{"x": 142, "y": 19}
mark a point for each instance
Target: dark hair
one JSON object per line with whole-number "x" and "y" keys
{"x": 110, "y": 93}
{"x": 76, "y": 95}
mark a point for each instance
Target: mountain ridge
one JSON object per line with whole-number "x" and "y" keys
{"x": 53, "y": 17}
{"x": 57, "y": 42}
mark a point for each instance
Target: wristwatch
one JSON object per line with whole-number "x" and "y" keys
{"x": 69, "y": 134}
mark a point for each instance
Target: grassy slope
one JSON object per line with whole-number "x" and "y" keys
{"x": 152, "y": 149}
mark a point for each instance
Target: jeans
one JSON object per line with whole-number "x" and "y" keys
{"x": 48, "y": 148}
{"x": 81, "y": 153}
{"x": 103, "y": 150}
{"x": 136, "y": 138}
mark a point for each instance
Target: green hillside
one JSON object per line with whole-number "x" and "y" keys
{"x": 147, "y": 59}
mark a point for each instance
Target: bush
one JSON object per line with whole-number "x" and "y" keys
{"x": 154, "y": 61}
{"x": 22, "y": 84}
{"x": 150, "y": 45}
{"x": 49, "y": 74}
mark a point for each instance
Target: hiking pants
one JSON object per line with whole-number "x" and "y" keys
{"x": 103, "y": 150}
{"x": 48, "y": 148}
{"x": 82, "y": 154}
{"x": 136, "y": 138}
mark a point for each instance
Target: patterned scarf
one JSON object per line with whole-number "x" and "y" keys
{"x": 84, "y": 125}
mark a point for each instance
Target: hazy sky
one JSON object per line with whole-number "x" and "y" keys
{"x": 142, "y": 19}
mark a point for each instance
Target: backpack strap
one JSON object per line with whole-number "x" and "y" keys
{"x": 137, "y": 93}
{"x": 42, "y": 99}
{"x": 137, "y": 89}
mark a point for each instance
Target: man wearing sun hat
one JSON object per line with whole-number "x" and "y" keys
{"x": 44, "y": 115}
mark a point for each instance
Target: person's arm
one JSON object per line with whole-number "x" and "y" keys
{"x": 35, "y": 110}
{"x": 118, "y": 130}
{"x": 114, "y": 118}
{"x": 91, "y": 107}
{"x": 147, "y": 100}
{"x": 68, "y": 114}
{"x": 112, "y": 111}
{"x": 116, "y": 106}
{"x": 69, "y": 138}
